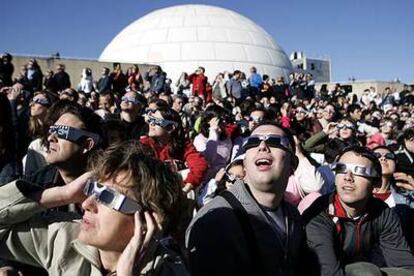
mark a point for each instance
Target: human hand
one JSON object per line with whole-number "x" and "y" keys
{"x": 220, "y": 174}
{"x": 188, "y": 187}
{"x": 13, "y": 93}
{"x": 4, "y": 90}
{"x": 330, "y": 128}
{"x": 404, "y": 180}
{"x": 214, "y": 123}
{"x": 298, "y": 148}
{"x": 285, "y": 110}
{"x": 74, "y": 191}
{"x": 135, "y": 250}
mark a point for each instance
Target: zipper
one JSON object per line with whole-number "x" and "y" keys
{"x": 358, "y": 236}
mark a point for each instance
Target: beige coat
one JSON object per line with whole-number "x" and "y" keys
{"x": 50, "y": 242}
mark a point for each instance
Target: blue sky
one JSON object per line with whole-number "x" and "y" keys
{"x": 368, "y": 39}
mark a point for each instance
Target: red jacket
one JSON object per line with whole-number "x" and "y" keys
{"x": 192, "y": 158}
{"x": 199, "y": 82}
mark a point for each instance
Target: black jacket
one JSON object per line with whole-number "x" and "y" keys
{"x": 405, "y": 160}
{"x": 336, "y": 240}
{"x": 218, "y": 245}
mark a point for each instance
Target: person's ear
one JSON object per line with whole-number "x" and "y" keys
{"x": 88, "y": 145}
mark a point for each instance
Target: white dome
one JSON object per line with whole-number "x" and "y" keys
{"x": 181, "y": 38}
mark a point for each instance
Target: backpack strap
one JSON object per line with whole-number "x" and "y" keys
{"x": 247, "y": 229}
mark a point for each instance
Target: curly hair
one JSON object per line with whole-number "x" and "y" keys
{"x": 147, "y": 180}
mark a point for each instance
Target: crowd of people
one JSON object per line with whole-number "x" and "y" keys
{"x": 134, "y": 174}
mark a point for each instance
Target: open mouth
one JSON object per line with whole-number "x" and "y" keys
{"x": 263, "y": 163}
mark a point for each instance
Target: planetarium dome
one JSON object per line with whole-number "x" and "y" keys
{"x": 181, "y": 38}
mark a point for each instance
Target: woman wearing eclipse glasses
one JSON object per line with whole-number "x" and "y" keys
{"x": 132, "y": 204}
{"x": 351, "y": 232}
{"x": 333, "y": 138}
{"x": 167, "y": 138}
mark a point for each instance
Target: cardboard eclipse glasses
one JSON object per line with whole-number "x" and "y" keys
{"x": 111, "y": 198}
{"x": 72, "y": 134}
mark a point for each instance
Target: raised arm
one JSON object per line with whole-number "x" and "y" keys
{"x": 26, "y": 235}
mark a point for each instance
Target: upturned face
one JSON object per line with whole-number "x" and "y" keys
{"x": 329, "y": 113}
{"x": 61, "y": 151}
{"x": 104, "y": 227}
{"x": 353, "y": 189}
{"x": 387, "y": 160}
{"x": 157, "y": 131}
{"x": 36, "y": 108}
{"x": 267, "y": 168}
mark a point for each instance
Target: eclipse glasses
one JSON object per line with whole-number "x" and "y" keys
{"x": 111, "y": 198}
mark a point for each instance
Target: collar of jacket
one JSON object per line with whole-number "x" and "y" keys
{"x": 90, "y": 253}
{"x": 242, "y": 192}
{"x": 153, "y": 256}
{"x": 336, "y": 210}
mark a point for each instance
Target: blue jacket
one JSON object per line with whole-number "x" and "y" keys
{"x": 255, "y": 80}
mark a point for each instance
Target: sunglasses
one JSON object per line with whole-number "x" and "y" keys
{"x": 72, "y": 134}
{"x": 160, "y": 122}
{"x": 254, "y": 119}
{"x": 388, "y": 124}
{"x": 130, "y": 100}
{"x": 43, "y": 102}
{"x": 111, "y": 198}
{"x": 388, "y": 155}
{"x": 355, "y": 169}
{"x": 150, "y": 111}
{"x": 345, "y": 126}
{"x": 273, "y": 141}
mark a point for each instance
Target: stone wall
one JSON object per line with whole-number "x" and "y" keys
{"x": 73, "y": 66}
{"x": 359, "y": 86}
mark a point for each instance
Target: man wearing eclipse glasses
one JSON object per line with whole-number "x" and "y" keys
{"x": 352, "y": 233}
{"x": 73, "y": 134}
{"x": 132, "y": 204}
{"x": 251, "y": 230}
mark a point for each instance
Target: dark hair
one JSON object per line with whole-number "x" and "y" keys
{"x": 158, "y": 102}
{"x": 383, "y": 147}
{"x": 366, "y": 153}
{"x": 71, "y": 93}
{"x": 246, "y": 105}
{"x": 208, "y": 114}
{"x": 238, "y": 162}
{"x": 7, "y": 144}
{"x": 91, "y": 120}
{"x": 177, "y": 135}
{"x": 285, "y": 130}
{"x": 113, "y": 124}
{"x": 408, "y": 133}
{"x": 260, "y": 109}
{"x": 352, "y": 107}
